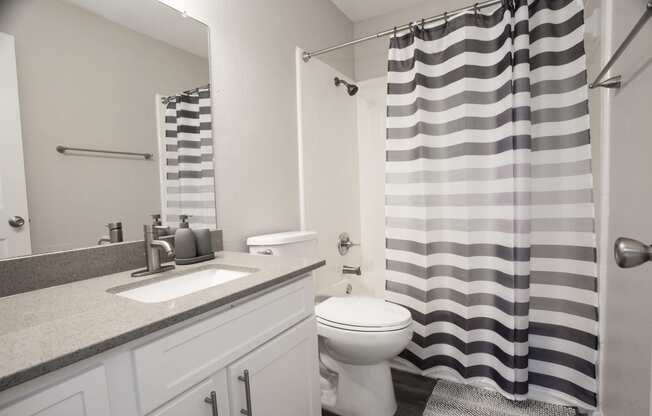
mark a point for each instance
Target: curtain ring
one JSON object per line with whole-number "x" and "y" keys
{"x": 476, "y": 11}
{"x": 395, "y": 31}
{"x": 411, "y": 29}
{"x": 423, "y": 24}
{"x": 445, "y": 20}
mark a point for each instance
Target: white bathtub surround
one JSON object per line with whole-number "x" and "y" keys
{"x": 328, "y": 166}
{"x": 372, "y": 110}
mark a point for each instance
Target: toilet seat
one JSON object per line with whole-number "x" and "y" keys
{"x": 362, "y": 314}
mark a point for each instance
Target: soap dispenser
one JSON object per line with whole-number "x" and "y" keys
{"x": 184, "y": 242}
{"x": 161, "y": 230}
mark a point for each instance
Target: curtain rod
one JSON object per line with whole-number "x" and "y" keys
{"x": 440, "y": 17}
{"x": 173, "y": 98}
{"x": 616, "y": 81}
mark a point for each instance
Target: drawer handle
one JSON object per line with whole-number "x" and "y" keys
{"x": 245, "y": 379}
{"x": 213, "y": 402}
{"x": 266, "y": 252}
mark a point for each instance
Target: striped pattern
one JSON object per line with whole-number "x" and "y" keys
{"x": 489, "y": 200}
{"x": 190, "y": 187}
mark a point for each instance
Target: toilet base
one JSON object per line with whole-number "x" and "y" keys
{"x": 362, "y": 390}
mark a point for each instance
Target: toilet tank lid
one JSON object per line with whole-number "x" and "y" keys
{"x": 281, "y": 238}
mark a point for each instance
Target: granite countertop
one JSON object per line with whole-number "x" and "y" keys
{"x": 47, "y": 329}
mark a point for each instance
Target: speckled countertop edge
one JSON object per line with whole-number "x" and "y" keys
{"x": 47, "y": 329}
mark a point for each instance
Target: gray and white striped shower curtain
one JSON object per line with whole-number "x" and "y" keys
{"x": 189, "y": 182}
{"x": 489, "y": 213}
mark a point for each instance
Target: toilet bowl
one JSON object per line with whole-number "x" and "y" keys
{"x": 357, "y": 337}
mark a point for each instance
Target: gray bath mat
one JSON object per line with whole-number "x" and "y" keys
{"x": 453, "y": 399}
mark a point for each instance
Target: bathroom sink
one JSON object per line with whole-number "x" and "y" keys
{"x": 181, "y": 285}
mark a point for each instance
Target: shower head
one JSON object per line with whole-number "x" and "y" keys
{"x": 351, "y": 89}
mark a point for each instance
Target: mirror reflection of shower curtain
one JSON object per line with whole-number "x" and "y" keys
{"x": 489, "y": 211}
{"x": 189, "y": 173}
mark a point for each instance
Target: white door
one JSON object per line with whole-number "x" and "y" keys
{"x": 14, "y": 218}
{"x": 280, "y": 378}
{"x": 208, "y": 398}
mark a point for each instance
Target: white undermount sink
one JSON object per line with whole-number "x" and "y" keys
{"x": 182, "y": 285}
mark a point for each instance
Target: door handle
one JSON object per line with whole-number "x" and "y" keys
{"x": 245, "y": 379}
{"x": 17, "y": 221}
{"x": 212, "y": 400}
{"x": 631, "y": 253}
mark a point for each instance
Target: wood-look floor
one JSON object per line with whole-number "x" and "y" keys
{"x": 412, "y": 393}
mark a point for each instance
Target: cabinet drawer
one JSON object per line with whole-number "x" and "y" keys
{"x": 193, "y": 402}
{"x": 174, "y": 363}
{"x": 85, "y": 394}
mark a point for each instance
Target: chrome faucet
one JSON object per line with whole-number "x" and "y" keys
{"x": 115, "y": 234}
{"x": 352, "y": 270}
{"x": 153, "y": 250}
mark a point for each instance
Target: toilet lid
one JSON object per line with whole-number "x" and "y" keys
{"x": 363, "y": 313}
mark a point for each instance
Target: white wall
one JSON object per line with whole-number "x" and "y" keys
{"x": 329, "y": 167}
{"x": 253, "y": 73}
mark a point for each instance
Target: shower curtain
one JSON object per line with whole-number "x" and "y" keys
{"x": 489, "y": 213}
{"x": 189, "y": 174}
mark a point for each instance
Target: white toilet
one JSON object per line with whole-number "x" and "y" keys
{"x": 357, "y": 337}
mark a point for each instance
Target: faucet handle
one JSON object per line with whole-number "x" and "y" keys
{"x": 344, "y": 243}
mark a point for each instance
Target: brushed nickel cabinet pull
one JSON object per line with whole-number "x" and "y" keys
{"x": 212, "y": 400}
{"x": 245, "y": 379}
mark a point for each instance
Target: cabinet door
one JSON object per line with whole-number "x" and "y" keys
{"x": 197, "y": 401}
{"x": 82, "y": 395}
{"x": 280, "y": 378}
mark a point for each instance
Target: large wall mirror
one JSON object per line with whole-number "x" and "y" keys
{"x": 105, "y": 117}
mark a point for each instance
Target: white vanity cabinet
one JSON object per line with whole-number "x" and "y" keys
{"x": 82, "y": 395}
{"x": 198, "y": 368}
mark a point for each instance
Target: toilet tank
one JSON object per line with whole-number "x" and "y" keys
{"x": 291, "y": 243}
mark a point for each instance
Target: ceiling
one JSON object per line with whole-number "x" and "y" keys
{"x": 358, "y": 10}
{"x": 154, "y": 19}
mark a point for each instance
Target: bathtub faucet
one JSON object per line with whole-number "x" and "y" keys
{"x": 351, "y": 270}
